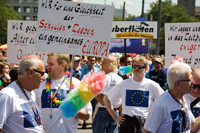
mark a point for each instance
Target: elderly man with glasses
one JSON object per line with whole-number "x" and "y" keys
{"x": 170, "y": 113}
{"x": 18, "y": 110}
{"x": 137, "y": 95}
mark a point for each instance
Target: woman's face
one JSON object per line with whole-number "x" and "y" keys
{"x": 6, "y": 69}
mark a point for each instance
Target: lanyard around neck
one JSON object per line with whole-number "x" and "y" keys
{"x": 52, "y": 96}
{"x": 23, "y": 91}
{"x": 183, "y": 106}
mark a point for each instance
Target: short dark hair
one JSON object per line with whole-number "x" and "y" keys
{"x": 122, "y": 59}
{"x": 14, "y": 73}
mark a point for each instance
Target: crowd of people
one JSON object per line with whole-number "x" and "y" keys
{"x": 150, "y": 99}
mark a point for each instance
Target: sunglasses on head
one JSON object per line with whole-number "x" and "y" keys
{"x": 196, "y": 86}
{"x": 138, "y": 66}
{"x": 42, "y": 73}
{"x": 157, "y": 62}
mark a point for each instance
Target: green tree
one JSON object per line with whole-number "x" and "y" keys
{"x": 170, "y": 13}
{"x": 117, "y": 18}
{"x": 7, "y": 13}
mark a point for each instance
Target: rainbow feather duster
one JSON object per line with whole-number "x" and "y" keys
{"x": 89, "y": 87}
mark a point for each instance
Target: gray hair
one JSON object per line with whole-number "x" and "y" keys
{"x": 177, "y": 71}
{"x": 27, "y": 63}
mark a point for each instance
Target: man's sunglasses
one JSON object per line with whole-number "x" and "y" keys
{"x": 196, "y": 86}
{"x": 129, "y": 61}
{"x": 139, "y": 67}
{"x": 42, "y": 73}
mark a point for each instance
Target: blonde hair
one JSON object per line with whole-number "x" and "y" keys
{"x": 61, "y": 58}
{"x": 112, "y": 63}
{"x": 140, "y": 59}
{"x": 2, "y": 65}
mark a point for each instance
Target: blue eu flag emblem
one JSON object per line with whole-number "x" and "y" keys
{"x": 137, "y": 98}
{"x": 196, "y": 112}
{"x": 179, "y": 121}
{"x": 30, "y": 119}
{"x": 60, "y": 95}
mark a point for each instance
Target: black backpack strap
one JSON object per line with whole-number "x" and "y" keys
{"x": 194, "y": 102}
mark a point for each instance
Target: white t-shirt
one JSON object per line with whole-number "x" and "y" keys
{"x": 63, "y": 125}
{"x": 112, "y": 80}
{"x": 165, "y": 115}
{"x": 136, "y": 96}
{"x": 16, "y": 114}
{"x": 196, "y": 109}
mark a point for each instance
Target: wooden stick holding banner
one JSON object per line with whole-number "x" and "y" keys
{"x": 72, "y": 65}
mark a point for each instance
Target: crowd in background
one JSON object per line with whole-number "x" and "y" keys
{"x": 111, "y": 107}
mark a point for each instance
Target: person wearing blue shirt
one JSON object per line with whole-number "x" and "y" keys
{"x": 158, "y": 74}
{"x": 77, "y": 70}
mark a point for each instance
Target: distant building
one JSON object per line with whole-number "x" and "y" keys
{"x": 197, "y": 12}
{"x": 28, "y": 9}
{"x": 119, "y": 13}
{"x": 190, "y": 6}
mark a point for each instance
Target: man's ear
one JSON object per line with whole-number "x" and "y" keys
{"x": 63, "y": 65}
{"x": 177, "y": 83}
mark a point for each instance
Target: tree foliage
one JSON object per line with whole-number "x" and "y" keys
{"x": 7, "y": 13}
{"x": 170, "y": 13}
{"x": 117, "y": 18}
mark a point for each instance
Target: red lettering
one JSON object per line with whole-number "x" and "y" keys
{"x": 95, "y": 51}
{"x": 106, "y": 50}
{"x": 74, "y": 27}
{"x": 51, "y": 26}
{"x": 101, "y": 47}
{"x": 84, "y": 46}
{"x": 41, "y": 22}
{"x": 92, "y": 32}
{"x": 181, "y": 47}
{"x": 19, "y": 54}
{"x": 83, "y": 31}
{"x": 88, "y": 32}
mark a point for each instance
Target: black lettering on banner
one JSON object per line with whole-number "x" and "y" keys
{"x": 143, "y": 27}
{"x": 19, "y": 38}
{"x": 173, "y": 28}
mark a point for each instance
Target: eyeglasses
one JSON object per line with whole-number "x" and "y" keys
{"x": 187, "y": 80}
{"x": 42, "y": 73}
{"x": 196, "y": 86}
{"x": 129, "y": 62}
{"x": 138, "y": 66}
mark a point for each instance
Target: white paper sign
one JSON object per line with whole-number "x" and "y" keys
{"x": 74, "y": 28}
{"x": 134, "y": 29}
{"x": 182, "y": 39}
{"x": 21, "y": 41}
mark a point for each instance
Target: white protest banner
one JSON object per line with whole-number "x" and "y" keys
{"x": 182, "y": 39}
{"x": 21, "y": 41}
{"x": 134, "y": 29}
{"x": 74, "y": 28}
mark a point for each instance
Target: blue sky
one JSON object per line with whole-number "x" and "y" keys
{"x": 133, "y": 7}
